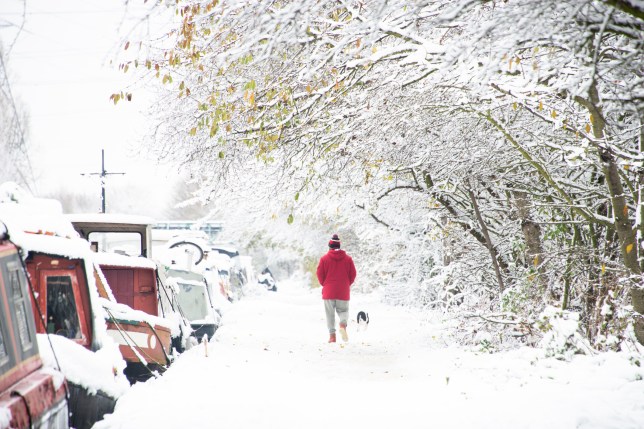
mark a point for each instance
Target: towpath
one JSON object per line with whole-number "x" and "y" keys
{"x": 269, "y": 366}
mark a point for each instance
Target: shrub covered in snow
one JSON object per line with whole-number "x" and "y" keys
{"x": 561, "y": 337}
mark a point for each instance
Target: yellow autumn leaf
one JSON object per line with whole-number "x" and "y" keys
{"x": 587, "y": 128}
{"x": 554, "y": 114}
{"x": 514, "y": 106}
{"x": 193, "y": 131}
{"x": 540, "y": 105}
{"x": 629, "y": 248}
{"x": 374, "y": 50}
{"x": 591, "y": 117}
{"x": 603, "y": 268}
{"x": 627, "y": 167}
{"x": 536, "y": 260}
{"x": 309, "y": 89}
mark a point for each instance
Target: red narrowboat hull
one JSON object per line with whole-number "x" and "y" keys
{"x": 36, "y": 396}
{"x": 138, "y": 340}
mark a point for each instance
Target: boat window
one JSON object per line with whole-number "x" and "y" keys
{"x": 193, "y": 301}
{"x": 19, "y": 300}
{"x": 127, "y": 243}
{"x": 3, "y": 347}
{"x": 62, "y": 316}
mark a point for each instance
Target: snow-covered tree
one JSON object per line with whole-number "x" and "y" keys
{"x": 14, "y": 164}
{"x": 494, "y": 146}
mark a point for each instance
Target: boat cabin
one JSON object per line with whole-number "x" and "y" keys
{"x": 123, "y": 246}
{"x": 62, "y": 296}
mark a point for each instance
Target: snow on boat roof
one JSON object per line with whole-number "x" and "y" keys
{"x": 37, "y": 225}
{"x": 118, "y": 260}
{"x": 36, "y": 215}
{"x": 73, "y": 248}
{"x": 110, "y": 218}
{"x": 122, "y": 311}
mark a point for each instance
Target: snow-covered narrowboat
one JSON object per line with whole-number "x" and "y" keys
{"x": 196, "y": 302}
{"x": 30, "y": 394}
{"x": 68, "y": 313}
{"x": 130, "y": 279}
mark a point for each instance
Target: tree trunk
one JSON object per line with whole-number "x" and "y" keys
{"x": 640, "y": 190}
{"x": 625, "y": 232}
{"x": 488, "y": 241}
{"x": 565, "y": 301}
{"x": 532, "y": 237}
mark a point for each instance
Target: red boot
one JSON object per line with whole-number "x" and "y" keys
{"x": 332, "y": 338}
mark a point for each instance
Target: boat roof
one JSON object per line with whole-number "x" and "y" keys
{"x": 109, "y": 219}
{"x": 118, "y": 260}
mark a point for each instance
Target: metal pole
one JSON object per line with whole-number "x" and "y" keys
{"x": 102, "y": 180}
{"x": 102, "y": 175}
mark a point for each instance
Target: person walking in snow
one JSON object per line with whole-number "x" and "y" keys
{"x": 336, "y": 273}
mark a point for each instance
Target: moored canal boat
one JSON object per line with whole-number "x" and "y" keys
{"x": 30, "y": 394}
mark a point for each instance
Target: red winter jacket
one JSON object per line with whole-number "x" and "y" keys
{"x": 336, "y": 273}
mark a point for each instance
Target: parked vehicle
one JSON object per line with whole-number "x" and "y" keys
{"x": 130, "y": 278}
{"x": 30, "y": 395}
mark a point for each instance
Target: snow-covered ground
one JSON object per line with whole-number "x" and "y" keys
{"x": 269, "y": 366}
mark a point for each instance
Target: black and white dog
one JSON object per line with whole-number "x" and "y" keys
{"x": 363, "y": 321}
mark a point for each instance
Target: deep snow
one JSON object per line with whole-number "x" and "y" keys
{"x": 269, "y": 366}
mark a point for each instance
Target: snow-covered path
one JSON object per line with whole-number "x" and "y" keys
{"x": 269, "y": 366}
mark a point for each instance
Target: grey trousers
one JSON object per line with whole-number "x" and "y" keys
{"x": 331, "y": 306}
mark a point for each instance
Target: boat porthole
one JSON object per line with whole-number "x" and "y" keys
{"x": 152, "y": 341}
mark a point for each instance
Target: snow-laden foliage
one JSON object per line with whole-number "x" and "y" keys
{"x": 482, "y": 156}
{"x": 14, "y": 162}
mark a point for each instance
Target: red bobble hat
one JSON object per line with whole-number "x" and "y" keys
{"x": 334, "y": 243}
